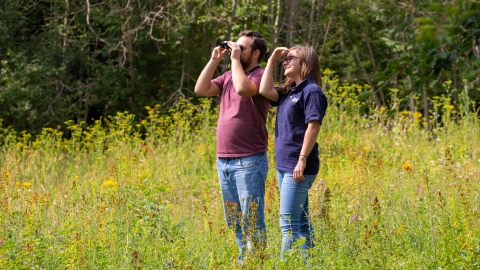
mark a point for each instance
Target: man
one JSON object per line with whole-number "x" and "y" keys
{"x": 241, "y": 135}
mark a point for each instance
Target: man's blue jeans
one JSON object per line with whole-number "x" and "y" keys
{"x": 242, "y": 181}
{"x": 294, "y": 216}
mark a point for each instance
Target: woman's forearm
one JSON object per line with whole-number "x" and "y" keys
{"x": 310, "y": 138}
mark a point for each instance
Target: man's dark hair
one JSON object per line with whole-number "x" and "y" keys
{"x": 259, "y": 43}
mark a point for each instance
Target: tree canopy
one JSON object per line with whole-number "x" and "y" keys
{"x": 81, "y": 60}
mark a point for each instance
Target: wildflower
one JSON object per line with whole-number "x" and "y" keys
{"x": 405, "y": 112}
{"x": 27, "y": 184}
{"x": 17, "y": 184}
{"x": 400, "y": 229}
{"x": 448, "y": 107}
{"x": 110, "y": 183}
{"x": 355, "y": 217}
{"x": 5, "y": 175}
{"x": 417, "y": 115}
{"x": 407, "y": 167}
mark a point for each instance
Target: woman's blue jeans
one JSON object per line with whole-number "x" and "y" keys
{"x": 294, "y": 216}
{"x": 242, "y": 181}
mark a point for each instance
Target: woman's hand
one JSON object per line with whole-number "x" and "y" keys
{"x": 266, "y": 84}
{"x": 278, "y": 53}
{"x": 299, "y": 168}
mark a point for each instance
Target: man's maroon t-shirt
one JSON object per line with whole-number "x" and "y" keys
{"x": 241, "y": 127}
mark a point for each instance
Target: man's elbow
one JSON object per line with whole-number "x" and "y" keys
{"x": 199, "y": 91}
{"x": 245, "y": 92}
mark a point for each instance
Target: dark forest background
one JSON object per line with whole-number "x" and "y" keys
{"x": 87, "y": 59}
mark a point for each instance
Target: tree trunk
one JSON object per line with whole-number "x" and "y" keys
{"x": 425, "y": 106}
{"x": 311, "y": 23}
{"x": 411, "y": 98}
{"x": 276, "y": 31}
{"x": 292, "y": 21}
{"x": 65, "y": 23}
{"x": 131, "y": 60}
{"x": 232, "y": 20}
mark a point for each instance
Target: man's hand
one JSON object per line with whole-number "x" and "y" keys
{"x": 236, "y": 50}
{"x": 218, "y": 53}
{"x": 204, "y": 86}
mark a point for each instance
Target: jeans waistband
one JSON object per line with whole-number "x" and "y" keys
{"x": 230, "y": 158}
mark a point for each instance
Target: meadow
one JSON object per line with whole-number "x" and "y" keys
{"x": 125, "y": 194}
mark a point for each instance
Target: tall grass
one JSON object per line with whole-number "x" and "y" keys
{"x": 391, "y": 194}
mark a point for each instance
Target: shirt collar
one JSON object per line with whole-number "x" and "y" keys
{"x": 302, "y": 85}
{"x": 251, "y": 70}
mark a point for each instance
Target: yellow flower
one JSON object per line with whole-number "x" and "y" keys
{"x": 27, "y": 184}
{"x": 17, "y": 184}
{"x": 110, "y": 183}
{"x": 5, "y": 176}
{"x": 405, "y": 112}
{"x": 417, "y": 115}
{"x": 400, "y": 229}
{"x": 328, "y": 72}
{"x": 448, "y": 107}
{"x": 407, "y": 167}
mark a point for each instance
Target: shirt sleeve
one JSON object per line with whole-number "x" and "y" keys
{"x": 275, "y": 104}
{"x": 256, "y": 77}
{"x": 220, "y": 81}
{"x": 315, "y": 105}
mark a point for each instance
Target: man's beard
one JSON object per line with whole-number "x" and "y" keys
{"x": 246, "y": 62}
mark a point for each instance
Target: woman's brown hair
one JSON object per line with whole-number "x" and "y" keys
{"x": 309, "y": 67}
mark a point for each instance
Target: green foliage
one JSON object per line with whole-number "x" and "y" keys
{"x": 85, "y": 60}
{"x": 128, "y": 195}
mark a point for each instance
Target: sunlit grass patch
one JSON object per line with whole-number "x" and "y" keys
{"x": 391, "y": 194}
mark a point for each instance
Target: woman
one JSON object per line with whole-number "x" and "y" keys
{"x": 301, "y": 108}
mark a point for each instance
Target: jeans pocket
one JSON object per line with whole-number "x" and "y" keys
{"x": 248, "y": 162}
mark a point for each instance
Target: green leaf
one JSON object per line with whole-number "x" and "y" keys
{"x": 447, "y": 65}
{"x": 452, "y": 57}
{"x": 391, "y": 113}
{"x": 362, "y": 109}
{"x": 470, "y": 20}
{"x": 379, "y": 76}
{"x": 473, "y": 55}
{"x": 432, "y": 62}
{"x": 442, "y": 55}
{"x": 436, "y": 7}
{"x": 404, "y": 94}
{"x": 431, "y": 51}
{"x": 424, "y": 20}
{"x": 409, "y": 71}
{"x": 473, "y": 32}
{"x": 364, "y": 95}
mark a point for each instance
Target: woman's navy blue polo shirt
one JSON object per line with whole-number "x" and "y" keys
{"x": 305, "y": 103}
